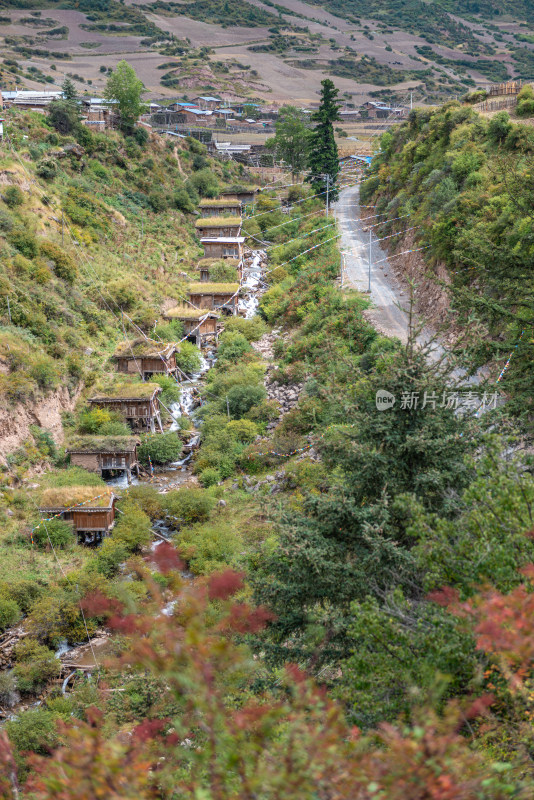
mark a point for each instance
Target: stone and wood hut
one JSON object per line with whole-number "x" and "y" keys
{"x": 215, "y": 296}
{"x": 220, "y": 207}
{"x": 146, "y": 358}
{"x": 244, "y": 196}
{"x": 90, "y": 510}
{"x": 214, "y": 227}
{"x": 105, "y": 454}
{"x": 223, "y": 246}
{"x": 137, "y": 403}
{"x": 200, "y": 325}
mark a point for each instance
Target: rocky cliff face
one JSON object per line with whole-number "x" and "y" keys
{"x": 15, "y": 420}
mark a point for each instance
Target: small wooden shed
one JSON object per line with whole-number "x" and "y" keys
{"x": 147, "y": 358}
{"x": 105, "y": 454}
{"x": 213, "y": 227}
{"x": 216, "y": 296}
{"x": 220, "y": 207}
{"x": 223, "y": 246}
{"x": 90, "y": 509}
{"x": 200, "y": 325}
{"x": 138, "y": 403}
{"x": 205, "y": 266}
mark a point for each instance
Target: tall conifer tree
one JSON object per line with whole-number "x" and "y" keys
{"x": 323, "y": 156}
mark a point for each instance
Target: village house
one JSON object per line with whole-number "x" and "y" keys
{"x": 223, "y": 247}
{"x": 90, "y": 510}
{"x": 146, "y": 358}
{"x": 219, "y": 207}
{"x": 215, "y": 296}
{"x": 200, "y": 325}
{"x": 137, "y": 403}
{"x": 244, "y": 196}
{"x": 213, "y": 227}
{"x": 206, "y": 265}
{"x": 30, "y": 99}
{"x": 105, "y": 454}
{"x": 208, "y": 103}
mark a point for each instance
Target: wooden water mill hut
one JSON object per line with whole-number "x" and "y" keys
{"x": 105, "y": 454}
{"x": 223, "y": 246}
{"x": 138, "y": 403}
{"x": 147, "y": 358}
{"x": 214, "y": 227}
{"x": 216, "y": 296}
{"x": 200, "y": 325}
{"x": 90, "y": 510}
{"x": 206, "y": 265}
{"x": 244, "y": 196}
{"x": 220, "y": 207}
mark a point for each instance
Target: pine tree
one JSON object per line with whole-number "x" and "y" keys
{"x": 350, "y": 542}
{"x": 323, "y": 156}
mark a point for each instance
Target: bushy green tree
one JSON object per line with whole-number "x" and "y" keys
{"x": 124, "y": 90}
{"x": 291, "y": 141}
{"x": 160, "y": 448}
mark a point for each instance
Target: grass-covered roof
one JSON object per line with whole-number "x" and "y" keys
{"x": 188, "y": 312}
{"x": 102, "y": 444}
{"x": 68, "y": 496}
{"x": 127, "y": 391}
{"x": 217, "y": 222}
{"x": 208, "y": 202}
{"x": 207, "y": 287}
{"x": 141, "y": 348}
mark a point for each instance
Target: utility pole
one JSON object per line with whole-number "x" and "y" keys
{"x": 9, "y": 310}
{"x": 228, "y": 408}
{"x": 342, "y": 268}
{"x": 370, "y": 256}
{"x": 327, "y": 193}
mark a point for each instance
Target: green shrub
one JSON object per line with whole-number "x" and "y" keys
{"x": 35, "y": 665}
{"x": 57, "y": 532}
{"x": 109, "y": 557}
{"x": 6, "y": 221}
{"x": 161, "y": 448}
{"x": 133, "y": 527}
{"x": 171, "y": 390}
{"x": 115, "y": 428}
{"x": 46, "y": 168}
{"x": 44, "y": 372}
{"x": 242, "y": 398}
{"x": 244, "y": 430}
{"x": 25, "y": 242}
{"x": 253, "y": 329}
{"x": 33, "y": 730}
{"x": 9, "y": 613}
{"x": 23, "y": 592}
{"x": 210, "y": 548}
{"x": 223, "y": 272}
{"x": 148, "y": 499}
{"x": 204, "y": 182}
{"x": 189, "y": 358}
{"x": 74, "y": 476}
{"x": 209, "y": 477}
{"x": 124, "y": 293}
{"x": 182, "y": 201}
{"x": 525, "y": 102}
{"x": 92, "y": 420}
{"x": 13, "y": 196}
{"x": 170, "y": 331}
{"x": 233, "y": 346}
{"x": 189, "y": 505}
{"x": 64, "y": 265}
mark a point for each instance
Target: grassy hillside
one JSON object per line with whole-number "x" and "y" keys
{"x": 466, "y": 181}
{"x": 89, "y": 229}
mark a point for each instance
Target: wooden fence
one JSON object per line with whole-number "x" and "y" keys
{"x": 497, "y": 105}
